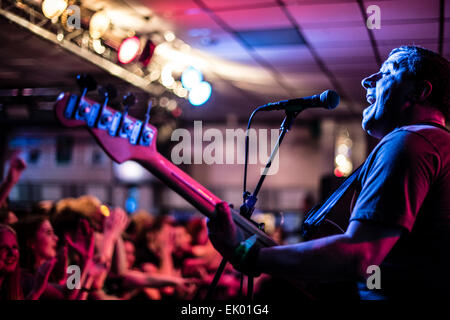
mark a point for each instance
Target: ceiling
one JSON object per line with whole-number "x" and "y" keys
{"x": 306, "y": 47}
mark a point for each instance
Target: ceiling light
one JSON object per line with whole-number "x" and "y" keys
{"x": 98, "y": 47}
{"x": 191, "y": 77}
{"x": 199, "y": 94}
{"x": 169, "y": 36}
{"x": 53, "y": 8}
{"x": 99, "y": 24}
{"x": 129, "y": 49}
{"x": 131, "y": 172}
{"x": 166, "y": 75}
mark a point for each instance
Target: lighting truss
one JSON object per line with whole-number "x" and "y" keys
{"x": 28, "y": 15}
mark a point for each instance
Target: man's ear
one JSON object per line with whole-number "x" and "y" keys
{"x": 423, "y": 90}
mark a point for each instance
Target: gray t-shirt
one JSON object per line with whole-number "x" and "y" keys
{"x": 405, "y": 183}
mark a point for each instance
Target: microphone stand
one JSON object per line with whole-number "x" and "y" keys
{"x": 248, "y": 206}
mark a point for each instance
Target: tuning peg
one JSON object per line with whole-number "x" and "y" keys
{"x": 108, "y": 92}
{"x": 147, "y": 113}
{"x": 129, "y": 100}
{"x": 86, "y": 83}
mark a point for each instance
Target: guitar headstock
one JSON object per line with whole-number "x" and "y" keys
{"x": 120, "y": 135}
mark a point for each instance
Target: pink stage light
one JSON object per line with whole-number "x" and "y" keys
{"x": 129, "y": 49}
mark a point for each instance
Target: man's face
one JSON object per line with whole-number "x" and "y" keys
{"x": 388, "y": 93}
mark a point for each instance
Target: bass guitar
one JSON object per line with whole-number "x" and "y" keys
{"x": 125, "y": 138}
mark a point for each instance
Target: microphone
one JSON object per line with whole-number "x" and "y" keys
{"x": 328, "y": 99}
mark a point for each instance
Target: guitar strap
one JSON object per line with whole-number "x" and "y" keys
{"x": 318, "y": 213}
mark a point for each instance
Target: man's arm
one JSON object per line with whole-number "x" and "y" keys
{"x": 338, "y": 257}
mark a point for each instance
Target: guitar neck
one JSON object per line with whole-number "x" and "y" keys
{"x": 197, "y": 195}
{"x": 180, "y": 182}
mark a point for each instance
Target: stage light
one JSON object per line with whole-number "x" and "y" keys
{"x": 131, "y": 172}
{"x": 338, "y": 173}
{"x": 99, "y": 24}
{"x": 130, "y": 205}
{"x": 171, "y": 105}
{"x": 98, "y": 47}
{"x": 180, "y": 91}
{"x": 169, "y": 36}
{"x": 199, "y": 94}
{"x": 167, "y": 79}
{"x": 104, "y": 210}
{"x": 342, "y": 160}
{"x": 53, "y": 8}
{"x": 191, "y": 77}
{"x": 129, "y": 49}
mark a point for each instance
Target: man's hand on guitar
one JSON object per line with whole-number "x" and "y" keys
{"x": 222, "y": 231}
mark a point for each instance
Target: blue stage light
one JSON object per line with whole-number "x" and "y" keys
{"x": 191, "y": 77}
{"x": 130, "y": 205}
{"x": 199, "y": 94}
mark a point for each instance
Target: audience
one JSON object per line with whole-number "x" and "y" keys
{"x": 118, "y": 256}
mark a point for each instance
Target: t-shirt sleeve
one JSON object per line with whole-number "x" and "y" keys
{"x": 396, "y": 180}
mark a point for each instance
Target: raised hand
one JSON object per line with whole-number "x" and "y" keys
{"x": 117, "y": 222}
{"x": 114, "y": 225}
{"x": 16, "y": 167}
{"x": 61, "y": 265}
{"x": 83, "y": 241}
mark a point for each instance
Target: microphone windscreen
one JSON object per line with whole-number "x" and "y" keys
{"x": 330, "y": 99}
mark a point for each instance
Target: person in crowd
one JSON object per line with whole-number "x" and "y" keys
{"x": 37, "y": 241}
{"x": 155, "y": 250}
{"x": 39, "y": 245}
{"x": 205, "y": 260}
{"x": 7, "y": 216}
{"x": 182, "y": 243}
{"x": 13, "y": 284}
{"x": 140, "y": 221}
{"x": 129, "y": 282}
